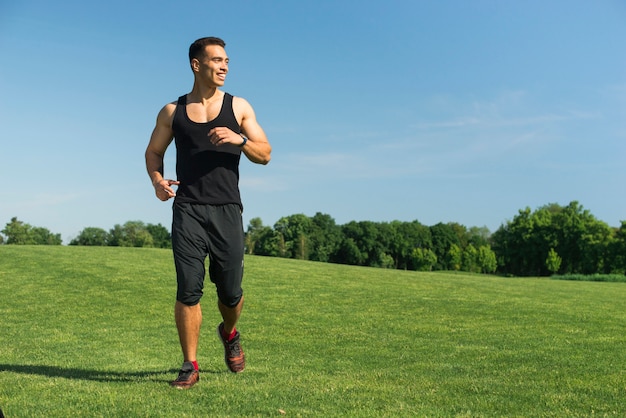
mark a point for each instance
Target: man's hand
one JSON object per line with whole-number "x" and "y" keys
{"x": 164, "y": 190}
{"x": 222, "y": 135}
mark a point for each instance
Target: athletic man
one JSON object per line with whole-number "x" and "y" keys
{"x": 210, "y": 129}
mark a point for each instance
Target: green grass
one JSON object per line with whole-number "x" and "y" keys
{"x": 89, "y": 332}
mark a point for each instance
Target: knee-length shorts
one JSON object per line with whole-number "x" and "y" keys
{"x": 216, "y": 231}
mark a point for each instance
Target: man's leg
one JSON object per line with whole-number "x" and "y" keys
{"x": 188, "y": 322}
{"x": 230, "y": 315}
{"x": 233, "y": 353}
{"x": 226, "y": 272}
{"x": 188, "y": 238}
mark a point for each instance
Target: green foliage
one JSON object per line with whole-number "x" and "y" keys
{"x": 324, "y": 237}
{"x": 407, "y": 237}
{"x": 294, "y": 231}
{"x": 131, "y": 234}
{"x": 519, "y": 247}
{"x": 20, "y": 233}
{"x": 614, "y": 278}
{"x": 454, "y": 257}
{"x": 553, "y": 262}
{"x": 469, "y": 260}
{"x": 91, "y": 236}
{"x": 253, "y": 234}
{"x": 616, "y": 251}
{"x": 443, "y": 237}
{"x": 263, "y": 240}
{"x": 361, "y": 245}
{"x": 551, "y": 239}
{"x": 424, "y": 259}
{"x": 478, "y": 260}
{"x": 487, "y": 262}
{"x": 161, "y": 237}
{"x": 363, "y": 342}
{"x": 478, "y": 236}
{"x": 580, "y": 240}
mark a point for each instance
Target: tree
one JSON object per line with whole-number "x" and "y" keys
{"x": 43, "y": 236}
{"x": 579, "y": 239}
{"x": 131, "y": 234}
{"x": 364, "y": 243}
{"x": 349, "y": 253}
{"x": 253, "y": 234}
{"x": 91, "y": 236}
{"x": 616, "y": 251}
{"x": 487, "y": 261}
{"x": 17, "y": 232}
{"x": 324, "y": 237}
{"x": 407, "y": 236}
{"x": 294, "y": 231}
{"x": 478, "y": 236}
{"x": 469, "y": 259}
{"x": 461, "y": 233}
{"x": 553, "y": 262}
{"x": 161, "y": 236}
{"x": 424, "y": 259}
{"x": 522, "y": 244}
{"x": 582, "y": 240}
{"x": 454, "y": 257}
{"x": 385, "y": 261}
{"x": 263, "y": 240}
{"x": 443, "y": 236}
{"x": 20, "y": 233}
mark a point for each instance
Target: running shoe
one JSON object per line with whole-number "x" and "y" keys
{"x": 187, "y": 377}
{"x": 233, "y": 353}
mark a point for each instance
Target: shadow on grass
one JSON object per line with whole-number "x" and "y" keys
{"x": 94, "y": 375}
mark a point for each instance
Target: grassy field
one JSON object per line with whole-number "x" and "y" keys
{"x": 89, "y": 332}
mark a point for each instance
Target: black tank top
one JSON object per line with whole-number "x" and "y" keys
{"x": 208, "y": 174}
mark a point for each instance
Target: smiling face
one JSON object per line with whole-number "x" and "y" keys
{"x": 211, "y": 68}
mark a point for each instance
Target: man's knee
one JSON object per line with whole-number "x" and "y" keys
{"x": 230, "y": 300}
{"x": 188, "y": 298}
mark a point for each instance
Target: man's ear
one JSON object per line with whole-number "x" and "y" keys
{"x": 195, "y": 65}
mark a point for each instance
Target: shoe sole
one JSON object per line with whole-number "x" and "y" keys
{"x": 182, "y": 386}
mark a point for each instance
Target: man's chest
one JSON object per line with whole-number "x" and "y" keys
{"x": 203, "y": 113}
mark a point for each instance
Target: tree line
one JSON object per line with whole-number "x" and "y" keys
{"x": 552, "y": 239}
{"x": 130, "y": 234}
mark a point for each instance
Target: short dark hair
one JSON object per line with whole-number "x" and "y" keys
{"x": 196, "y": 50}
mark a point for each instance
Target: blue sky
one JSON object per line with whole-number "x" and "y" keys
{"x": 436, "y": 111}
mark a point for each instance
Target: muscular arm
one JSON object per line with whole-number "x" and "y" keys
{"x": 257, "y": 149}
{"x": 161, "y": 138}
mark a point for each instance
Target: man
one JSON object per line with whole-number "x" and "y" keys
{"x": 210, "y": 128}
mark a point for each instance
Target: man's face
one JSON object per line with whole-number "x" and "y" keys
{"x": 213, "y": 66}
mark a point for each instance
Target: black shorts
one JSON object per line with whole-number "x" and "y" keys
{"x": 215, "y": 231}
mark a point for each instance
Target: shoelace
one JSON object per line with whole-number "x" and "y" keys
{"x": 233, "y": 347}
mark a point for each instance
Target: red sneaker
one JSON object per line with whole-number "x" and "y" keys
{"x": 233, "y": 353}
{"x": 187, "y": 377}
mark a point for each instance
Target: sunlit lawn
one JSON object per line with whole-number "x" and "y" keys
{"x": 89, "y": 332}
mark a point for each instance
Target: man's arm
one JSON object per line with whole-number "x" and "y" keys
{"x": 257, "y": 148}
{"x": 161, "y": 138}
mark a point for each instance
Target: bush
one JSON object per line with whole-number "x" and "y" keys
{"x": 592, "y": 277}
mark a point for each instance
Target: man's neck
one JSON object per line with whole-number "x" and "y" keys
{"x": 204, "y": 94}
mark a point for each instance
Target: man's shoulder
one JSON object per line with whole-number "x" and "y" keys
{"x": 167, "y": 111}
{"x": 241, "y": 105}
